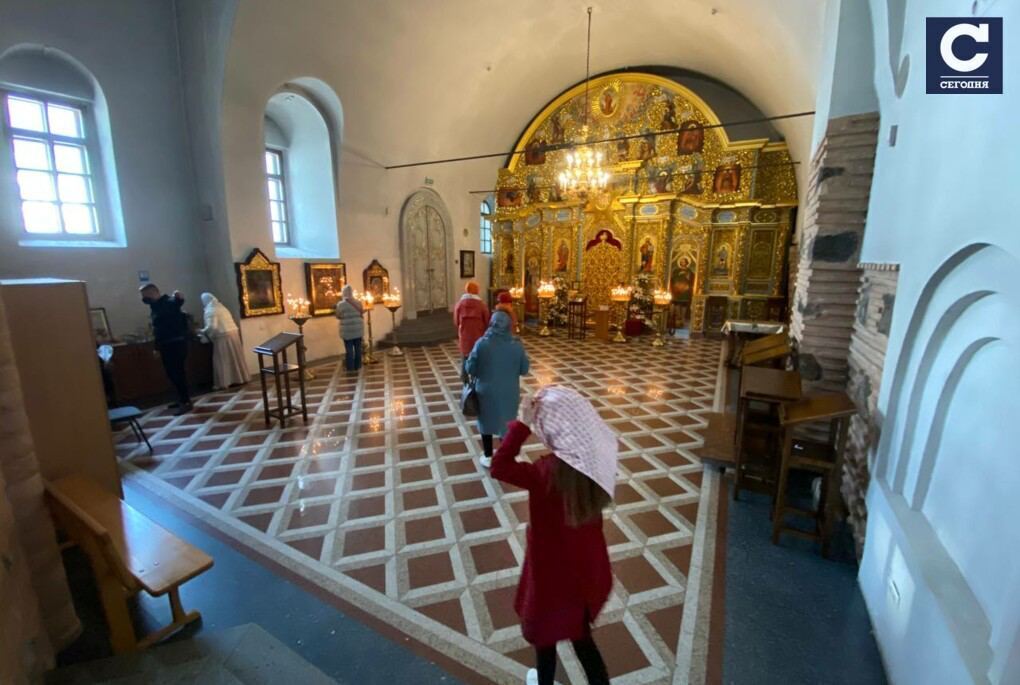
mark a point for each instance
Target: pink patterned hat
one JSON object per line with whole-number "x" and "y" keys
{"x": 569, "y": 426}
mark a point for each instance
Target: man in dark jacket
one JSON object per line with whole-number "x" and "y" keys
{"x": 170, "y": 329}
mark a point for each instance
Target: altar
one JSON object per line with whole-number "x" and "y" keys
{"x": 686, "y": 209}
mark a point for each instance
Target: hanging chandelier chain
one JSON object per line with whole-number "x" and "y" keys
{"x": 587, "y": 72}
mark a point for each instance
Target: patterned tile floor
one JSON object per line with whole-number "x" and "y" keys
{"x": 380, "y": 500}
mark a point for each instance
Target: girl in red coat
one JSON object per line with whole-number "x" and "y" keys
{"x": 566, "y": 576}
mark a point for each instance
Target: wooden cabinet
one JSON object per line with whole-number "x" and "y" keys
{"x": 61, "y": 385}
{"x": 137, "y": 377}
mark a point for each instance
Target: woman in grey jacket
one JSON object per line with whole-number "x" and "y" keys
{"x": 352, "y": 327}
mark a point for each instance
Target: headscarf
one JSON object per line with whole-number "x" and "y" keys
{"x": 218, "y": 320}
{"x": 569, "y": 426}
{"x": 471, "y": 287}
{"x": 347, "y": 292}
{"x": 505, "y": 298}
{"x": 499, "y": 326}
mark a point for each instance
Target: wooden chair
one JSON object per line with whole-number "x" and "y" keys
{"x": 824, "y": 459}
{"x": 758, "y": 430}
{"x": 128, "y": 553}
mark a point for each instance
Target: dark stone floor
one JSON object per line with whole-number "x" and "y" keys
{"x": 791, "y": 616}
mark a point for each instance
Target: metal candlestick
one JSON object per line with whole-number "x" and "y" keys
{"x": 301, "y": 320}
{"x": 396, "y": 351}
{"x": 368, "y": 357}
{"x": 660, "y": 324}
{"x": 545, "y": 332}
{"x": 620, "y": 337}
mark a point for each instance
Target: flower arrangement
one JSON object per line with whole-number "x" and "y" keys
{"x": 557, "y": 312}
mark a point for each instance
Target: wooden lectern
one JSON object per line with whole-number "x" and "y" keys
{"x": 281, "y": 370}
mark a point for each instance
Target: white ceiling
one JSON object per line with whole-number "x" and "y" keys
{"x": 456, "y": 77}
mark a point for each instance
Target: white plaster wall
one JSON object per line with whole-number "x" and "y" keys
{"x": 845, "y": 83}
{"x": 942, "y": 531}
{"x": 131, "y": 49}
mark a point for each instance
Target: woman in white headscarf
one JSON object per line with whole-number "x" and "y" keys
{"x": 228, "y": 355}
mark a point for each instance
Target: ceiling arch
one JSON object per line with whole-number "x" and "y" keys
{"x": 464, "y": 77}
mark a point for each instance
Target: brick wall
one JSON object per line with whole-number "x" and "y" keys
{"x": 868, "y": 342}
{"x": 825, "y": 298}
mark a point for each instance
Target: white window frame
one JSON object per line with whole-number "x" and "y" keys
{"x": 485, "y": 226}
{"x": 288, "y": 224}
{"x": 93, "y": 160}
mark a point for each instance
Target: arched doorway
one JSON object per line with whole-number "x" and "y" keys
{"x": 426, "y": 251}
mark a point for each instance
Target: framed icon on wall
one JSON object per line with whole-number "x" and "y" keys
{"x": 377, "y": 280}
{"x": 325, "y": 282}
{"x": 467, "y": 263}
{"x": 258, "y": 285}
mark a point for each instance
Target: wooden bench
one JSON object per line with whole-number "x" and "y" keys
{"x": 128, "y": 553}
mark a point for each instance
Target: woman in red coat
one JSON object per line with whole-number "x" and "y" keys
{"x": 566, "y": 578}
{"x": 471, "y": 317}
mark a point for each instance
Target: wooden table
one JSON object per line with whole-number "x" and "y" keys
{"x": 281, "y": 370}
{"x": 771, "y": 387}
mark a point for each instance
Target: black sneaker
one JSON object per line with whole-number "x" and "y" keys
{"x": 183, "y": 409}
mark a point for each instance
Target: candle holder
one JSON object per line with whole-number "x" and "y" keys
{"x": 661, "y": 299}
{"x": 621, "y": 296}
{"x": 517, "y": 295}
{"x": 300, "y": 314}
{"x": 546, "y": 291}
{"x": 369, "y": 301}
{"x": 392, "y": 302}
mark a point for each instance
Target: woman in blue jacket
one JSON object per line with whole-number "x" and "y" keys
{"x": 497, "y": 362}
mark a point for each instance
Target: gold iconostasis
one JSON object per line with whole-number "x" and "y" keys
{"x": 691, "y": 211}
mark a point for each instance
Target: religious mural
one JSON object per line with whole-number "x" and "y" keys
{"x": 676, "y": 181}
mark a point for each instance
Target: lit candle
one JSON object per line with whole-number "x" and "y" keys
{"x": 620, "y": 293}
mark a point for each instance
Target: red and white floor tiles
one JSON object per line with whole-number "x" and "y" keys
{"x": 381, "y": 502}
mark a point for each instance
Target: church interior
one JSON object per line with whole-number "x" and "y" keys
{"x": 264, "y": 268}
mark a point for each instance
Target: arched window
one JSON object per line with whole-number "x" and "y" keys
{"x": 485, "y": 227}
{"x": 58, "y": 154}
{"x": 300, "y": 154}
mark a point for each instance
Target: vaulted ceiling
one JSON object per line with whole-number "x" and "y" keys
{"x": 456, "y": 77}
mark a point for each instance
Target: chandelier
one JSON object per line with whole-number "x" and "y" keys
{"x": 584, "y": 171}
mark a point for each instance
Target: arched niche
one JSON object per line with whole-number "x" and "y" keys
{"x": 426, "y": 251}
{"x": 303, "y": 121}
{"x": 946, "y": 459}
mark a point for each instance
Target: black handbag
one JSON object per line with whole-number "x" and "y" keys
{"x": 469, "y": 399}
